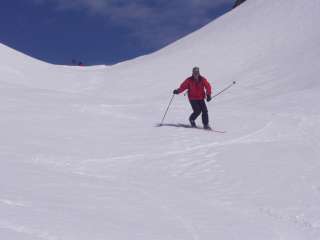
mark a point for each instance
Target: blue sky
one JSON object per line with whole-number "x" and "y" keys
{"x": 101, "y": 31}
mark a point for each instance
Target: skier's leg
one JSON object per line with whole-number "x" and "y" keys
{"x": 196, "y": 110}
{"x": 205, "y": 115}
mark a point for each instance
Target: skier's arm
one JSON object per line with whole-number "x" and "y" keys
{"x": 184, "y": 86}
{"x": 207, "y": 86}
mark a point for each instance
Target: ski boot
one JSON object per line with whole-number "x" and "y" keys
{"x": 207, "y": 127}
{"x": 193, "y": 123}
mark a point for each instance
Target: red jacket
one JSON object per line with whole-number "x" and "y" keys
{"x": 196, "y": 89}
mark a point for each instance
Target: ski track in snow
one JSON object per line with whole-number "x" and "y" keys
{"x": 11, "y": 203}
{"x": 25, "y": 230}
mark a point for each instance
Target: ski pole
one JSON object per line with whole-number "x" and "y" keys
{"x": 225, "y": 89}
{"x": 167, "y": 110}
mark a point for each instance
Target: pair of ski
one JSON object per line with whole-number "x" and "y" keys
{"x": 182, "y": 125}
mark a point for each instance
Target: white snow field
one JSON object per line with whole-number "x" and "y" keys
{"x": 81, "y": 158}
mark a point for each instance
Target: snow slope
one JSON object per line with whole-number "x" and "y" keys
{"x": 81, "y": 158}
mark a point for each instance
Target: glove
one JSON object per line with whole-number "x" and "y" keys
{"x": 208, "y": 98}
{"x": 176, "y": 91}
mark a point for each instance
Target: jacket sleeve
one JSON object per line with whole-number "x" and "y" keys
{"x": 184, "y": 86}
{"x": 207, "y": 86}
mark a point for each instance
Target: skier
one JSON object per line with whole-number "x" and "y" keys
{"x": 198, "y": 89}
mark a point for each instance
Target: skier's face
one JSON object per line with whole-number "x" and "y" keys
{"x": 195, "y": 73}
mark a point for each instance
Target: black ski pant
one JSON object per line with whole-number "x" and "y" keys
{"x": 198, "y": 107}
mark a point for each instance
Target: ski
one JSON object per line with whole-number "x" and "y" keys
{"x": 183, "y": 125}
{"x": 189, "y": 126}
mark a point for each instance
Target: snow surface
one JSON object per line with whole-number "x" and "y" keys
{"x": 81, "y": 158}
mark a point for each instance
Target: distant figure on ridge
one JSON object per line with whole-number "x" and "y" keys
{"x": 237, "y": 3}
{"x": 198, "y": 89}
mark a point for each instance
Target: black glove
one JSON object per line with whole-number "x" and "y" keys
{"x": 176, "y": 91}
{"x": 208, "y": 98}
